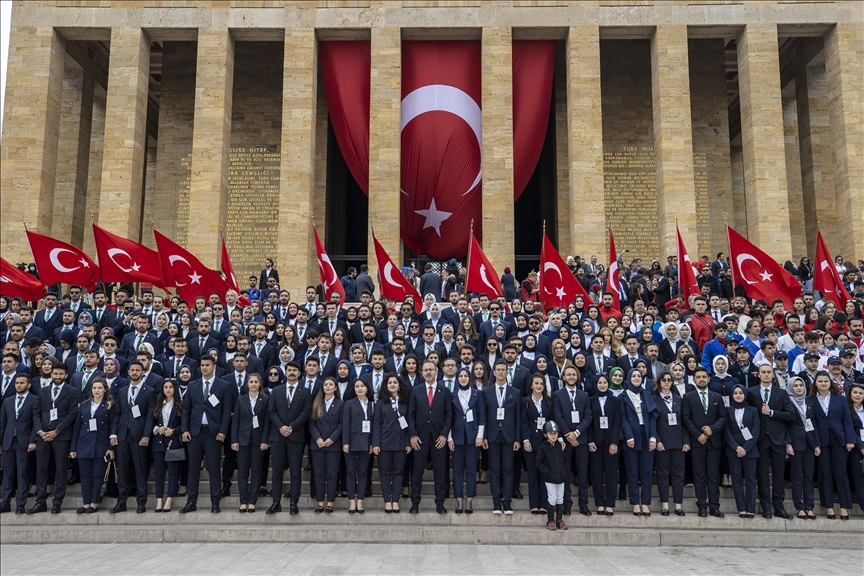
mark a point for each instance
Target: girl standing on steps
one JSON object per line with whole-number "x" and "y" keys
{"x": 325, "y": 431}
{"x": 742, "y": 432}
{"x": 250, "y": 429}
{"x": 357, "y": 418}
{"x": 91, "y": 443}
{"x": 390, "y": 441}
{"x": 166, "y": 434}
{"x": 468, "y": 412}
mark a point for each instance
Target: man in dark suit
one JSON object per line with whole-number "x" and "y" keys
{"x": 268, "y": 272}
{"x": 429, "y": 345}
{"x": 173, "y": 366}
{"x": 375, "y": 377}
{"x": 51, "y": 317}
{"x": 368, "y": 341}
{"x": 397, "y": 359}
{"x": 281, "y": 310}
{"x": 535, "y": 327}
{"x": 487, "y": 329}
{"x": 327, "y": 361}
{"x": 206, "y": 417}
{"x": 202, "y": 341}
{"x": 776, "y": 411}
{"x": 80, "y": 381}
{"x": 31, "y": 330}
{"x": 705, "y": 416}
{"x": 288, "y": 410}
{"x": 355, "y": 333}
{"x": 627, "y": 361}
{"x": 67, "y": 319}
{"x": 571, "y": 409}
{"x": 132, "y": 341}
{"x": 76, "y": 303}
{"x": 331, "y": 321}
{"x": 430, "y": 416}
{"x": 262, "y": 348}
{"x": 17, "y": 438}
{"x": 53, "y": 419}
{"x": 235, "y": 381}
{"x": 595, "y": 362}
{"x": 502, "y": 433}
{"x": 518, "y": 376}
{"x": 430, "y": 283}
{"x": 133, "y": 414}
{"x": 7, "y": 377}
{"x": 219, "y": 326}
{"x": 150, "y": 378}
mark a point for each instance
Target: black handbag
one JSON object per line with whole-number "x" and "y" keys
{"x": 174, "y": 454}
{"x": 109, "y": 486}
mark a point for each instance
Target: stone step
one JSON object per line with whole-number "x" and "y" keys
{"x": 501, "y": 531}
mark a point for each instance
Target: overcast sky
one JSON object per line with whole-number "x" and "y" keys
{"x": 5, "y": 14}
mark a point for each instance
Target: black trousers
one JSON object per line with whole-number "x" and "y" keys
{"x": 802, "y": 465}
{"x": 290, "y": 453}
{"x": 15, "y": 475}
{"x": 56, "y": 451}
{"x": 536, "y": 486}
{"x": 92, "y": 472}
{"x": 579, "y": 463}
{"x": 855, "y": 458}
{"x": 428, "y": 450}
{"x": 249, "y": 461}
{"x": 743, "y": 472}
{"x": 391, "y": 464}
{"x": 131, "y": 459}
{"x": 204, "y": 444}
{"x": 172, "y": 469}
{"x": 501, "y": 460}
{"x": 706, "y": 475}
{"x": 832, "y": 474}
{"x": 357, "y": 473}
{"x": 604, "y": 468}
{"x": 229, "y": 462}
{"x": 772, "y": 490}
{"x": 325, "y": 467}
{"x": 670, "y": 470}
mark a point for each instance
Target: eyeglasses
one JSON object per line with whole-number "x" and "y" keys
{"x": 666, "y": 379}
{"x": 491, "y": 345}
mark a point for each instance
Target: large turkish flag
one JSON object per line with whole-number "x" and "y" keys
{"x": 59, "y": 262}
{"x": 762, "y": 276}
{"x": 122, "y": 260}
{"x": 16, "y": 283}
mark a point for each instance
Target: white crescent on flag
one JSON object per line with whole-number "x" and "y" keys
{"x": 55, "y": 260}
{"x": 388, "y": 270}
{"x": 486, "y": 279}
{"x": 174, "y": 258}
{"x": 743, "y": 257}
{"x": 333, "y": 278}
{"x": 114, "y": 251}
{"x": 553, "y": 266}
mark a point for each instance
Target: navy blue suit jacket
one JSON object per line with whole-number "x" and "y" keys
{"x": 141, "y": 427}
{"x": 352, "y": 424}
{"x": 734, "y": 437}
{"x": 387, "y": 434}
{"x": 510, "y": 428}
{"x": 195, "y": 405}
{"x": 89, "y": 444}
{"x": 561, "y": 408}
{"x": 21, "y": 427}
{"x": 329, "y": 426}
{"x": 462, "y": 431}
{"x": 838, "y": 421}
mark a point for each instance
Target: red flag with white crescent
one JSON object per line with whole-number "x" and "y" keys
{"x": 826, "y": 279}
{"x": 481, "y": 277}
{"x": 613, "y": 281}
{"x": 329, "y": 278}
{"x": 181, "y": 269}
{"x": 59, "y": 262}
{"x": 687, "y": 284}
{"x": 15, "y": 283}
{"x": 558, "y": 286}
{"x": 392, "y": 283}
{"x": 760, "y": 275}
{"x": 230, "y": 277}
{"x": 122, "y": 260}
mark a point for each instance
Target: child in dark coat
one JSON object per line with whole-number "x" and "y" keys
{"x": 553, "y": 462}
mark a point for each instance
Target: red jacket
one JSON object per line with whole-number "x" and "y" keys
{"x": 702, "y": 328}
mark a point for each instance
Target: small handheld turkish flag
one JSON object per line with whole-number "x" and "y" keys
{"x": 686, "y": 273}
{"x": 122, "y": 260}
{"x": 16, "y": 283}
{"x": 481, "y": 277}
{"x": 613, "y": 282}
{"x": 230, "y": 278}
{"x": 329, "y": 278}
{"x": 181, "y": 269}
{"x": 557, "y": 284}
{"x": 762, "y": 277}
{"x": 393, "y": 284}
{"x": 61, "y": 262}
{"x": 826, "y": 279}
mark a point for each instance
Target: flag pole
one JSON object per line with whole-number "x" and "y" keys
{"x": 468, "y": 260}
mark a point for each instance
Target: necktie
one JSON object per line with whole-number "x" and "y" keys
{"x": 47, "y": 316}
{"x": 309, "y": 384}
{"x": 284, "y": 312}
{"x": 429, "y": 394}
{"x": 500, "y": 393}
{"x": 573, "y": 397}
{"x": 54, "y": 394}
{"x": 80, "y": 362}
{"x": 133, "y": 392}
{"x": 323, "y": 360}
{"x": 300, "y": 332}
{"x": 239, "y": 381}
{"x": 377, "y": 382}
{"x": 668, "y": 400}
{"x": 510, "y": 375}
{"x": 75, "y": 306}
{"x": 206, "y": 389}
{"x": 398, "y": 363}
{"x": 177, "y": 364}
{"x": 290, "y": 394}
{"x": 766, "y": 395}
{"x": 141, "y": 337}
{"x": 258, "y": 349}
{"x": 216, "y": 326}
{"x": 6, "y": 384}
{"x": 331, "y": 326}
{"x": 599, "y": 364}
{"x": 18, "y": 405}
{"x": 704, "y": 401}
{"x": 450, "y": 384}
{"x": 368, "y": 350}
{"x": 85, "y": 379}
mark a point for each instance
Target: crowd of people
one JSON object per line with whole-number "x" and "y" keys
{"x": 717, "y": 391}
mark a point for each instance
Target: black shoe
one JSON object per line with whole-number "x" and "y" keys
{"x": 214, "y": 508}
{"x": 189, "y": 507}
{"x": 274, "y": 508}
{"x": 320, "y": 509}
{"x": 703, "y": 513}
{"x": 842, "y": 517}
{"x": 440, "y": 509}
{"x": 92, "y": 510}
{"x": 610, "y": 512}
{"x": 141, "y": 509}
{"x": 226, "y": 490}
{"x": 81, "y": 510}
{"x": 567, "y": 511}
{"x": 517, "y": 494}
{"x": 584, "y": 511}
{"x": 766, "y": 514}
{"x": 679, "y": 512}
{"x": 73, "y": 480}
{"x": 781, "y": 513}
{"x": 415, "y": 509}
{"x": 38, "y": 507}
{"x": 507, "y": 509}
{"x": 368, "y": 493}
{"x": 263, "y": 492}
{"x": 293, "y": 509}
{"x": 117, "y": 509}
{"x": 55, "y": 509}
{"x": 664, "y": 512}
{"x": 5, "y": 508}
{"x": 717, "y": 514}
{"x": 19, "y": 510}
{"x": 328, "y": 510}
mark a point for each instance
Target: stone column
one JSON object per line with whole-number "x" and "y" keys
{"x": 736, "y": 214}
{"x": 29, "y": 152}
{"x": 125, "y": 140}
{"x": 562, "y": 167}
{"x": 585, "y": 144}
{"x": 385, "y": 99}
{"x": 73, "y": 155}
{"x": 673, "y": 137}
{"x": 799, "y": 216}
{"x": 497, "y": 82}
{"x": 211, "y": 142}
{"x": 844, "y": 52}
{"x": 94, "y": 172}
{"x": 762, "y": 140}
{"x": 296, "y": 246}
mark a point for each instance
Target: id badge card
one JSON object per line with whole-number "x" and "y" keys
{"x": 540, "y": 422}
{"x": 367, "y": 427}
{"x": 213, "y": 400}
{"x": 726, "y": 401}
{"x": 402, "y": 422}
{"x": 53, "y": 415}
{"x": 574, "y": 417}
{"x": 604, "y": 422}
{"x": 255, "y": 421}
{"x": 673, "y": 418}
{"x": 136, "y": 411}
{"x": 500, "y": 413}
{"x": 745, "y": 432}
{"x": 808, "y": 425}
{"x": 92, "y": 425}
{"x": 861, "y": 433}
{"x": 469, "y": 416}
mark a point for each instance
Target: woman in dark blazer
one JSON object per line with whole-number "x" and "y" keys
{"x": 672, "y": 442}
{"x": 536, "y": 411}
{"x": 167, "y": 414}
{"x": 855, "y": 396}
{"x": 833, "y": 422}
{"x": 250, "y": 429}
{"x": 91, "y": 442}
{"x": 390, "y": 440}
{"x": 742, "y": 433}
{"x": 325, "y": 430}
{"x": 803, "y": 449}
{"x": 357, "y": 417}
{"x": 468, "y": 412}
{"x": 639, "y": 424}
{"x": 603, "y": 446}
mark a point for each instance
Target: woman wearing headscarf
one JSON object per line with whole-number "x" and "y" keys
{"x": 673, "y": 442}
{"x": 447, "y": 341}
{"x": 528, "y": 356}
{"x": 722, "y": 381}
{"x": 592, "y": 314}
{"x": 639, "y": 424}
{"x": 559, "y": 359}
{"x": 617, "y": 381}
{"x": 343, "y": 377}
{"x": 575, "y": 344}
{"x": 466, "y": 439}
{"x": 685, "y": 332}
{"x": 603, "y": 444}
{"x": 803, "y": 448}
{"x": 741, "y": 433}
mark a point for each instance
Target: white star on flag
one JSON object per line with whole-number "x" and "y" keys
{"x": 434, "y": 217}
{"x": 84, "y": 263}
{"x": 766, "y": 277}
{"x": 194, "y": 278}
{"x": 136, "y": 266}
{"x": 560, "y": 293}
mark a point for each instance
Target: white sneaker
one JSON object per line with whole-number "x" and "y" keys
{"x": 497, "y": 512}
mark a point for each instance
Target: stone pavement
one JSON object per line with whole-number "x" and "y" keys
{"x": 465, "y": 560}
